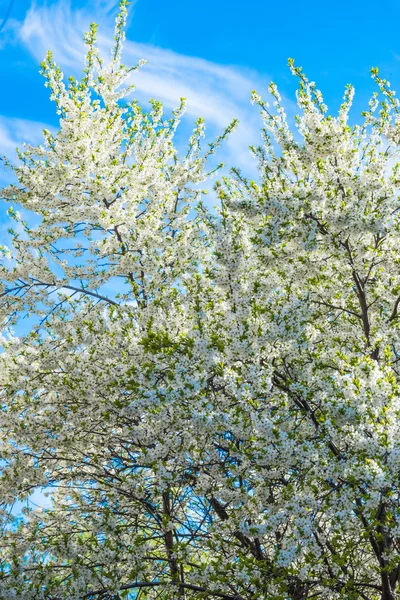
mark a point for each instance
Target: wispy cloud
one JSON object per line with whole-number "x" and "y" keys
{"x": 216, "y": 92}
{"x": 13, "y": 132}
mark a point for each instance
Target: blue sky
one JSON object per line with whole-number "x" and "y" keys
{"x": 213, "y": 52}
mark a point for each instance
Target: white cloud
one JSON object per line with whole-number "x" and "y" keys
{"x": 216, "y": 92}
{"x": 13, "y": 132}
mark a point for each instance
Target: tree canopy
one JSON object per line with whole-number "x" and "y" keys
{"x": 211, "y": 399}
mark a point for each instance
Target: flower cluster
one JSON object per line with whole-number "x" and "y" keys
{"x": 210, "y": 400}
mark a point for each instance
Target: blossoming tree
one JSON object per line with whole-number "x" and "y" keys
{"x": 211, "y": 400}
